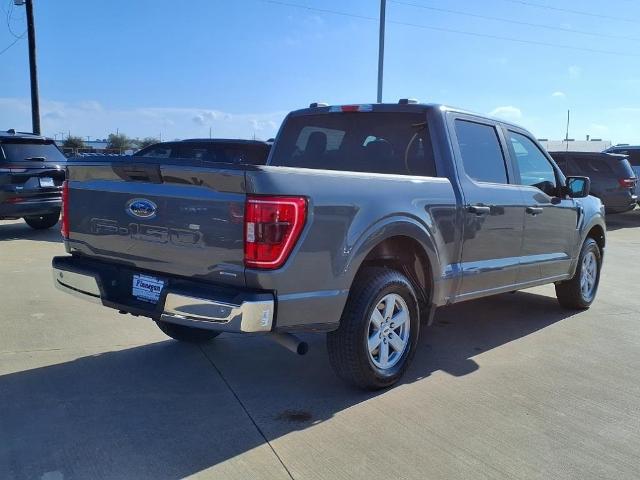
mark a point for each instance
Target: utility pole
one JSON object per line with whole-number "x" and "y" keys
{"x": 33, "y": 67}
{"x": 383, "y": 9}
{"x": 566, "y": 137}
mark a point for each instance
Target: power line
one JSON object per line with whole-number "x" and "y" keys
{"x": 9, "y": 17}
{"x": 321, "y": 10}
{"x": 450, "y": 30}
{"x": 10, "y": 45}
{"x": 511, "y": 39}
{"x": 515, "y": 22}
{"x": 574, "y": 12}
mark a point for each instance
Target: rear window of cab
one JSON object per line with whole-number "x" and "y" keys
{"x": 374, "y": 142}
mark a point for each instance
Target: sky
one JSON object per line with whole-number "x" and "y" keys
{"x": 178, "y": 69}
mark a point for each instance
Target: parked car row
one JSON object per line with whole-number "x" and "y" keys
{"x": 32, "y": 170}
{"x": 612, "y": 179}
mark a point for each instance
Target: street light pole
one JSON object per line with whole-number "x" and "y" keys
{"x": 383, "y": 8}
{"x": 33, "y": 68}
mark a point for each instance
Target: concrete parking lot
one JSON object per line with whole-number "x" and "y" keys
{"x": 510, "y": 387}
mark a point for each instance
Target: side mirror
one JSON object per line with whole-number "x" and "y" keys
{"x": 578, "y": 187}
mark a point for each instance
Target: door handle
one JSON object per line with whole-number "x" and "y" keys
{"x": 479, "y": 209}
{"x": 535, "y": 210}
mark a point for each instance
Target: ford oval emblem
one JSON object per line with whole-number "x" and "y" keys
{"x": 141, "y": 208}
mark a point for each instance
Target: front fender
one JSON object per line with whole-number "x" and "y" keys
{"x": 592, "y": 215}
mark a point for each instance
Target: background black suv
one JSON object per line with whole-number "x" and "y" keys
{"x": 633, "y": 155}
{"x": 31, "y": 176}
{"x": 246, "y": 152}
{"x": 612, "y": 179}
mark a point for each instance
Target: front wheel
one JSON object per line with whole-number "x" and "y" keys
{"x": 378, "y": 330}
{"x": 42, "y": 222}
{"x": 580, "y": 292}
{"x": 186, "y": 334}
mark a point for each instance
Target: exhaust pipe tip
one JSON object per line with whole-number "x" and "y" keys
{"x": 290, "y": 342}
{"x": 303, "y": 348}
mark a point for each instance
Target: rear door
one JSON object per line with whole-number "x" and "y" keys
{"x": 550, "y": 228}
{"x": 493, "y": 213}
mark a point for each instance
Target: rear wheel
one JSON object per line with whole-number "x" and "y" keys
{"x": 580, "y": 292}
{"x": 42, "y": 222}
{"x": 378, "y": 330}
{"x": 186, "y": 334}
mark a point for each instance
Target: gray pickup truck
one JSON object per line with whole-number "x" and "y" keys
{"x": 365, "y": 219}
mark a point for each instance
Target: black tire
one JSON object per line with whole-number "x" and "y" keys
{"x": 348, "y": 345}
{"x": 186, "y": 334}
{"x": 42, "y": 222}
{"x": 569, "y": 293}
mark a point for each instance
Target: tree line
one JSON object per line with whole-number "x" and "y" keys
{"x": 115, "y": 141}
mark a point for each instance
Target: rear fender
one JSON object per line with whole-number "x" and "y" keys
{"x": 394, "y": 227}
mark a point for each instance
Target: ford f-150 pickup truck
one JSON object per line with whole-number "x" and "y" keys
{"x": 365, "y": 219}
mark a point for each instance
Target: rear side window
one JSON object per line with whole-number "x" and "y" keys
{"x": 376, "y": 142}
{"x": 482, "y": 156}
{"x": 597, "y": 165}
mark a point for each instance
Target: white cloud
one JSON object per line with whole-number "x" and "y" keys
{"x": 96, "y": 120}
{"x": 575, "y": 71}
{"x": 559, "y": 94}
{"x": 508, "y": 112}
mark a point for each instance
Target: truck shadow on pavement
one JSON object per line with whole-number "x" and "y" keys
{"x": 167, "y": 410}
{"x": 18, "y": 230}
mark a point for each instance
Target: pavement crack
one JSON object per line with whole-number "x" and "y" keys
{"x": 246, "y": 410}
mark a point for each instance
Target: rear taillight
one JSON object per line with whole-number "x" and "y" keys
{"x": 272, "y": 225}
{"x": 64, "y": 225}
{"x": 627, "y": 182}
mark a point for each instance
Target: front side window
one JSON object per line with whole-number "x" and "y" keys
{"x": 535, "y": 168}
{"x": 482, "y": 155}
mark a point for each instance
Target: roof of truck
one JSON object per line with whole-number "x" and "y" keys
{"x": 398, "y": 107}
{"x": 578, "y": 154}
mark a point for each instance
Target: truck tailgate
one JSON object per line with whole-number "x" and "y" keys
{"x": 167, "y": 219}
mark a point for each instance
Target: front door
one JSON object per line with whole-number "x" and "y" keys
{"x": 550, "y": 218}
{"x": 493, "y": 213}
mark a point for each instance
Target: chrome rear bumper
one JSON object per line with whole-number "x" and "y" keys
{"x": 204, "y": 313}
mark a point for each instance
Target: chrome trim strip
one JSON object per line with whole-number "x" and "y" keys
{"x": 77, "y": 284}
{"x": 256, "y": 316}
{"x": 203, "y": 313}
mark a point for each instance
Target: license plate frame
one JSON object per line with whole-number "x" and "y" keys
{"x": 46, "y": 182}
{"x": 147, "y": 288}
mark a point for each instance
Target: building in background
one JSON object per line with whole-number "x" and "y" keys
{"x": 572, "y": 145}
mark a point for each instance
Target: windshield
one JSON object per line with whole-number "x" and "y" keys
{"x": 376, "y": 142}
{"x": 21, "y": 151}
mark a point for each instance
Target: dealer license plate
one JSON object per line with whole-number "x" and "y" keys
{"x": 147, "y": 288}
